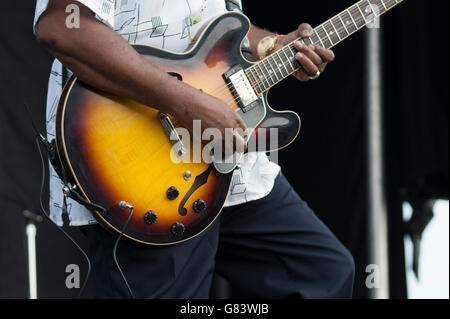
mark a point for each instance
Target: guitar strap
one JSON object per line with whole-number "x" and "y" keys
{"x": 65, "y": 75}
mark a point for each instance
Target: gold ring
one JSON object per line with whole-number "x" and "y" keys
{"x": 315, "y": 76}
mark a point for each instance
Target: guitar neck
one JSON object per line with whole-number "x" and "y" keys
{"x": 281, "y": 64}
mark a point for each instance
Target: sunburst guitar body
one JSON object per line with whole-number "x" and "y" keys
{"x": 113, "y": 149}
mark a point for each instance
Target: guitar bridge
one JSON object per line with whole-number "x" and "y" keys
{"x": 240, "y": 87}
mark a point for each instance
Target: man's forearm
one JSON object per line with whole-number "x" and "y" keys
{"x": 100, "y": 57}
{"x": 254, "y": 36}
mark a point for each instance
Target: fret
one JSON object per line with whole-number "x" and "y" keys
{"x": 371, "y": 11}
{"x": 265, "y": 75}
{"x": 293, "y": 59}
{"x": 327, "y": 32}
{"x": 356, "y": 18}
{"x": 392, "y": 3}
{"x": 289, "y": 60}
{"x": 269, "y": 72}
{"x": 296, "y": 63}
{"x": 314, "y": 39}
{"x": 318, "y": 37}
{"x": 366, "y": 11}
{"x": 380, "y": 5}
{"x": 285, "y": 59}
{"x": 254, "y": 81}
{"x": 353, "y": 20}
{"x": 292, "y": 49}
{"x": 343, "y": 24}
{"x": 349, "y": 23}
{"x": 374, "y": 9}
{"x": 335, "y": 30}
{"x": 280, "y": 62}
{"x": 339, "y": 27}
{"x": 250, "y": 76}
{"x": 261, "y": 78}
{"x": 273, "y": 65}
{"x": 332, "y": 33}
{"x": 362, "y": 14}
{"x": 325, "y": 38}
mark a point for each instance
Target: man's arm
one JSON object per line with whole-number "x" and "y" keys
{"x": 100, "y": 57}
{"x": 312, "y": 58}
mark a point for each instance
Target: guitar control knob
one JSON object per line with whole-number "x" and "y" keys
{"x": 187, "y": 176}
{"x": 150, "y": 217}
{"x": 177, "y": 229}
{"x": 172, "y": 193}
{"x": 199, "y": 206}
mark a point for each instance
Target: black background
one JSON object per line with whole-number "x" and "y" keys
{"x": 326, "y": 164}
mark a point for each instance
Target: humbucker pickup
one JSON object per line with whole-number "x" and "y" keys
{"x": 240, "y": 87}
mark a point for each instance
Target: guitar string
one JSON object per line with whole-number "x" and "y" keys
{"x": 326, "y": 38}
{"x": 229, "y": 89}
{"x": 343, "y": 29}
{"x": 271, "y": 75}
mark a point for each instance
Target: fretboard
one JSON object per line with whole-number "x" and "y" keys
{"x": 282, "y": 63}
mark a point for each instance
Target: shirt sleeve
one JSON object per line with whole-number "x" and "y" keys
{"x": 103, "y": 9}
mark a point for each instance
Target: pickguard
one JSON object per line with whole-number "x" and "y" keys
{"x": 252, "y": 119}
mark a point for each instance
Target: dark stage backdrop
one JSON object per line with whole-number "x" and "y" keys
{"x": 326, "y": 164}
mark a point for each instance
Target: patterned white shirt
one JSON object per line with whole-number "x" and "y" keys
{"x": 168, "y": 24}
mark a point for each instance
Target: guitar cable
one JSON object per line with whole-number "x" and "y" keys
{"x": 40, "y": 139}
{"x": 50, "y": 146}
{"x": 123, "y": 205}
{"x": 50, "y": 149}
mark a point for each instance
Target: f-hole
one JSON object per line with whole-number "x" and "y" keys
{"x": 176, "y": 76}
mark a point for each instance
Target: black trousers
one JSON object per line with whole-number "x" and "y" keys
{"x": 271, "y": 248}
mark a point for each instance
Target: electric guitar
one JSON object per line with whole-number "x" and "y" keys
{"x": 113, "y": 149}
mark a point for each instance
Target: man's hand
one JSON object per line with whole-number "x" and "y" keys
{"x": 312, "y": 58}
{"x": 215, "y": 113}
